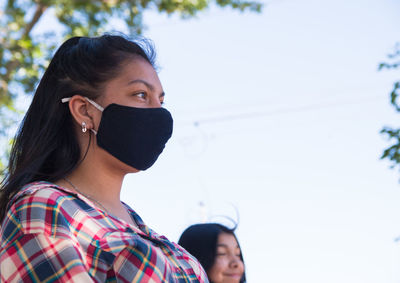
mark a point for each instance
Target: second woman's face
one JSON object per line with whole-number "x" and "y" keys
{"x": 228, "y": 267}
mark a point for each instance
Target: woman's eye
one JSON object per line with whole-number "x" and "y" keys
{"x": 140, "y": 95}
{"x": 221, "y": 254}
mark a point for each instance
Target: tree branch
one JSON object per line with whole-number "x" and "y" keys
{"x": 38, "y": 13}
{"x": 13, "y": 64}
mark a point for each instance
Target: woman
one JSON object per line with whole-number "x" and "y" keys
{"x": 95, "y": 117}
{"x": 217, "y": 249}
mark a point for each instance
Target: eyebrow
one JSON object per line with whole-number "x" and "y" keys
{"x": 226, "y": 246}
{"x": 146, "y": 84}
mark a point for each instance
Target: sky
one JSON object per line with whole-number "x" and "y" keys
{"x": 276, "y": 125}
{"x": 277, "y": 119}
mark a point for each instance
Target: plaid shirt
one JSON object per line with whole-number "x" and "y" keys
{"x": 52, "y": 234}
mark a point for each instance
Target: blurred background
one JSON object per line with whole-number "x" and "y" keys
{"x": 277, "y": 120}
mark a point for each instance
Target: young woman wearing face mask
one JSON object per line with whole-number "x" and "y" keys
{"x": 96, "y": 116}
{"x": 217, "y": 249}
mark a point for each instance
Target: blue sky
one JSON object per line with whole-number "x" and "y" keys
{"x": 288, "y": 105}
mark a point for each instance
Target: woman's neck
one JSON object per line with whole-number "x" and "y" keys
{"x": 95, "y": 180}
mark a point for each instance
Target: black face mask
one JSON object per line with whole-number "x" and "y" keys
{"x": 135, "y": 136}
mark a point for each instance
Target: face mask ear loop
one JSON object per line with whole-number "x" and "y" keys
{"x": 98, "y": 107}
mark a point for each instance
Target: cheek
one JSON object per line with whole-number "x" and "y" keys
{"x": 241, "y": 266}
{"x": 216, "y": 271}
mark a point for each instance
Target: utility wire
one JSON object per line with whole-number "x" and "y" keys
{"x": 256, "y": 114}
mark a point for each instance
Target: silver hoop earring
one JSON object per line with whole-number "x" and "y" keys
{"x": 84, "y": 129}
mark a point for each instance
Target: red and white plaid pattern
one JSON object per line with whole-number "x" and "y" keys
{"x": 51, "y": 234}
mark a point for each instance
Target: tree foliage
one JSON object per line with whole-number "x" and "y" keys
{"x": 24, "y": 56}
{"x": 393, "y": 151}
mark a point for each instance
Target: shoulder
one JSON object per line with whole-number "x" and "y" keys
{"x": 41, "y": 191}
{"x": 41, "y": 207}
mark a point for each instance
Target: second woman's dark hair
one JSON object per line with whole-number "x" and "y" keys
{"x": 201, "y": 240}
{"x": 46, "y": 147}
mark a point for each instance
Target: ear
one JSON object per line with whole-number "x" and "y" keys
{"x": 81, "y": 111}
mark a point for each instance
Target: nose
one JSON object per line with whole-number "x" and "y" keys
{"x": 235, "y": 262}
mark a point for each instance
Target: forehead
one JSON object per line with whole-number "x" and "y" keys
{"x": 228, "y": 240}
{"x": 137, "y": 68}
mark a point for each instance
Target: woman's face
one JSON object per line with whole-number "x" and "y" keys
{"x": 228, "y": 267}
{"x": 137, "y": 85}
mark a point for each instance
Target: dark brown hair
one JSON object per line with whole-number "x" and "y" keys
{"x": 201, "y": 240}
{"x": 45, "y": 147}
